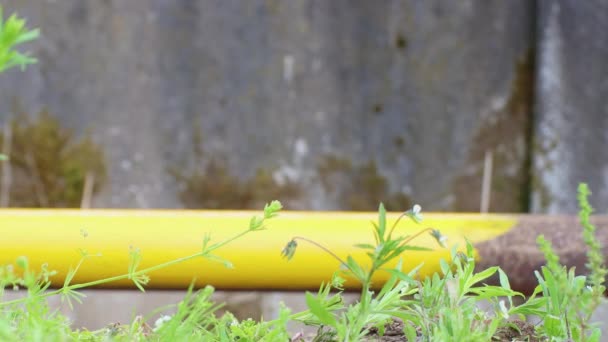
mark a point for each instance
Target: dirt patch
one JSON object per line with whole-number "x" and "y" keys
{"x": 517, "y": 253}
{"x": 517, "y": 331}
{"x": 393, "y": 332}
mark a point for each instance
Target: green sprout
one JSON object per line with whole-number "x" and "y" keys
{"x": 12, "y": 33}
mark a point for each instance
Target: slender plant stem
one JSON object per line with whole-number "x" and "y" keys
{"x": 225, "y": 242}
{"x": 203, "y": 253}
{"x": 409, "y": 239}
{"x": 395, "y": 224}
{"x": 322, "y": 247}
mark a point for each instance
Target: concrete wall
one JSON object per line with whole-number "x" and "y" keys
{"x": 337, "y": 105}
{"x": 327, "y": 105}
{"x": 571, "y": 130}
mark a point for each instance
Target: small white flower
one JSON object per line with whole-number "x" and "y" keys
{"x": 417, "y": 212}
{"x": 416, "y": 209}
{"x": 160, "y": 321}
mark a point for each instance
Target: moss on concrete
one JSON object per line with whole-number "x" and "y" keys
{"x": 358, "y": 187}
{"x": 211, "y": 185}
{"x": 49, "y": 163}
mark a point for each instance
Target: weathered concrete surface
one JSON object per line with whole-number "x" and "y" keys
{"x": 409, "y": 94}
{"x": 572, "y": 110}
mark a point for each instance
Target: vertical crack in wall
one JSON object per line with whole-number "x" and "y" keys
{"x": 527, "y": 183}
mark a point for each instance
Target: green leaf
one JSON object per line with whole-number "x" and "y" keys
{"x": 445, "y": 267}
{"x": 400, "y": 275}
{"x": 12, "y": 33}
{"x": 271, "y": 209}
{"x": 22, "y": 262}
{"x": 381, "y": 221}
{"x": 482, "y": 275}
{"x": 316, "y": 308}
{"x": 27, "y": 36}
{"x": 365, "y": 246}
{"x": 354, "y": 267}
{"x": 221, "y": 260}
{"x": 595, "y": 336}
{"x": 532, "y": 306}
{"x": 139, "y": 285}
{"x": 337, "y": 282}
{"x": 206, "y": 240}
{"x": 410, "y": 332}
{"x": 256, "y": 223}
{"x": 485, "y": 292}
{"x": 69, "y": 276}
{"x": 416, "y": 248}
{"x": 69, "y": 295}
{"x": 504, "y": 280}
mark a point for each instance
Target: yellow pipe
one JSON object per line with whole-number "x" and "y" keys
{"x": 54, "y": 237}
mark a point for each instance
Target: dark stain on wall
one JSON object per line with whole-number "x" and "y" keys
{"x": 508, "y": 135}
{"x": 210, "y": 184}
{"x": 400, "y": 41}
{"x": 358, "y": 187}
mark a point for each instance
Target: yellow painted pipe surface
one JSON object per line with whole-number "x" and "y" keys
{"x": 54, "y": 237}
